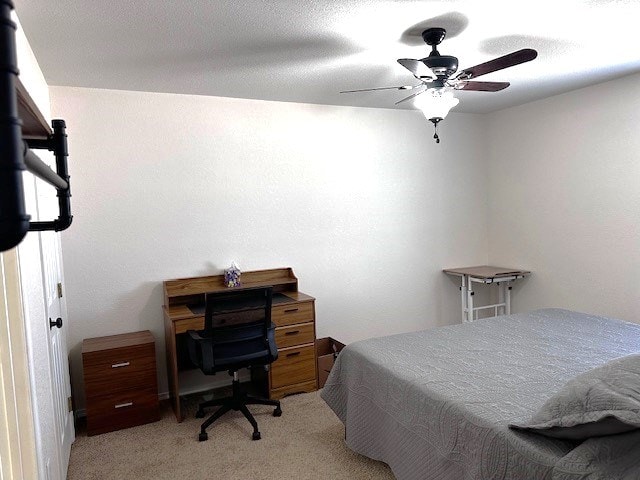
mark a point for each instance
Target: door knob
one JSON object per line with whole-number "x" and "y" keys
{"x": 57, "y": 323}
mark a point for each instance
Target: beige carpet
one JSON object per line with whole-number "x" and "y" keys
{"x": 306, "y": 442}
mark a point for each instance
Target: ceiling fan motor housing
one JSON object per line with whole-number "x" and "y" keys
{"x": 441, "y": 65}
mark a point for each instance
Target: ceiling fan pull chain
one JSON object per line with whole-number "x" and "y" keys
{"x": 435, "y": 122}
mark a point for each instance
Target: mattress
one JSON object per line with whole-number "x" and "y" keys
{"x": 436, "y": 404}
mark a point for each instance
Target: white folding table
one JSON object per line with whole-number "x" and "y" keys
{"x": 485, "y": 274}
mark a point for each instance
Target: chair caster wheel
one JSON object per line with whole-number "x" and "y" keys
{"x": 277, "y": 412}
{"x": 203, "y": 437}
{"x": 200, "y": 414}
{"x": 256, "y": 436}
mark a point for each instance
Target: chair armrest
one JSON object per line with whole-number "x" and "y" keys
{"x": 271, "y": 337}
{"x": 201, "y": 351}
{"x": 195, "y": 335}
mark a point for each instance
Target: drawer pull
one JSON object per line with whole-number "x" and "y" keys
{"x": 293, "y": 332}
{"x": 291, "y": 310}
{"x": 122, "y": 405}
{"x": 293, "y": 354}
{"x": 121, "y": 364}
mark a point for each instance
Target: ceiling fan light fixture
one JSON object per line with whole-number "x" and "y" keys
{"x": 435, "y": 104}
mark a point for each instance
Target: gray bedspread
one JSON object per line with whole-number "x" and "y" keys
{"x": 435, "y": 404}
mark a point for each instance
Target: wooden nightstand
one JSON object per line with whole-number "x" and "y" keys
{"x": 120, "y": 381}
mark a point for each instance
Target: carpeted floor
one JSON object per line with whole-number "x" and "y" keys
{"x": 306, "y": 442}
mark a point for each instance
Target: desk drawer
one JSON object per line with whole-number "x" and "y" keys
{"x": 113, "y": 411}
{"x": 186, "y": 324}
{"x": 295, "y": 335}
{"x": 119, "y": 369}
{"x": 294, "y": 365}
{"x": 292, "y": 313}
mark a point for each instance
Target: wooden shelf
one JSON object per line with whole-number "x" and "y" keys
{"x": 34, "y": 124}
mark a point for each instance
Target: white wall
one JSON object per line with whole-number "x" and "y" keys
{"x": 564, "y": 183}
{"x": 362, "y": 203}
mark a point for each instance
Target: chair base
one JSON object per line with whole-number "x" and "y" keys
{"x": 237, "y": 401}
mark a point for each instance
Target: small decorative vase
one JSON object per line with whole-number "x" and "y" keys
{"x": 232, "y": 276}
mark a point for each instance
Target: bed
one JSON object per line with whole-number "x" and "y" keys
{"x": 437, "y": 404}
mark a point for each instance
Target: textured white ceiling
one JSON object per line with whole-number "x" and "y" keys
{"x": 309, "y": 50}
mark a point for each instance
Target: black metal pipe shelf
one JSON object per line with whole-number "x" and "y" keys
{"x": 16, "y": 154}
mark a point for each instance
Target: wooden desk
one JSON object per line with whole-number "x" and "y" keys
{"x": 485, "y": 274}
{"x": 293, "y": 314}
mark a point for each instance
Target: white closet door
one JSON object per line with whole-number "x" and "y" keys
{"x": 41, "y": 264}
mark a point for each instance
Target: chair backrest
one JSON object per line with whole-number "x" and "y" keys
{"x": 238, "y": 331}
{"x": 238, "y": 307}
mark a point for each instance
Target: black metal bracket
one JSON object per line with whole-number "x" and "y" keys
{"x": 57, "y": 143}
{"x": 14, "y": 220}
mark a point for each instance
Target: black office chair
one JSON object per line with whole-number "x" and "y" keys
{"x": 237, "y": 333}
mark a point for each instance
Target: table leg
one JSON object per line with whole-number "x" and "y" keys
{"x": 463, "y": 298}
{"x": 469, "y": 300}
{"x": 172, "y": 368}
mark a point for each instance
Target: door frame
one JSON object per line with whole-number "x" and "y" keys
{"x": 17, "y": 434}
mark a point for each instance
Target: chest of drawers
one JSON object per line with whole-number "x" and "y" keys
{"x": 120, "y": 381}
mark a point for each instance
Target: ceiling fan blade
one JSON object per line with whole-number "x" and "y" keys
{"x": 401, "y": 87}
{"x": 410, "y": 96}
{"x": 419, "y": 69}
{"x": 482, "y": 86}
{"x": 508, "y": 60}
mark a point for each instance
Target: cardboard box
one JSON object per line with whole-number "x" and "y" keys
{"x": 327, "y": 350}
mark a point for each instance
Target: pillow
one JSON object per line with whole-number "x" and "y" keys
{"x": 602, "y": 401}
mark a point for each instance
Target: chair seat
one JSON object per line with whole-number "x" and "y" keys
{"x": 232, "y": 348}
{"x": 238, "y": 360}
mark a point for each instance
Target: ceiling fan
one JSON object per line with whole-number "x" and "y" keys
{"x": 438, "y": 77}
